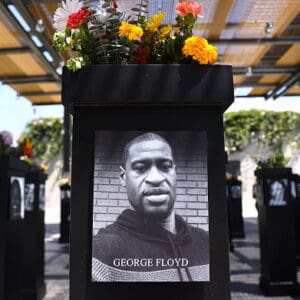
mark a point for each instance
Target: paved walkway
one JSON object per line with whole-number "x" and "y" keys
{"x": 56, "y": 265}
{"x": 244, "y": 265}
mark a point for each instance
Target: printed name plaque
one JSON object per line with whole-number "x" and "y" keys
{"x": 147, "y": 156}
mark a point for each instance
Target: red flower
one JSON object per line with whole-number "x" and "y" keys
{"x": 27, "y": 150}
{"x": 77, "y": 18}
{"x": 142, "y": 55}
{"x": 114, "y": 5}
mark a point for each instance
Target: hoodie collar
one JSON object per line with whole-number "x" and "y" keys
{"x": 132, "y": 222}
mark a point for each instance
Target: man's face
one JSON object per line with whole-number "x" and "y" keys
{"x": 150, "y": 179}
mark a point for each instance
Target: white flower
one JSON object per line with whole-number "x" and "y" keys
{"x": 68, "y": 40}
{"x": 62, "y": 14}
{"x": 101, "y": 15}
{"x": 75, "y": 64}
{"x": 58, "y": 36}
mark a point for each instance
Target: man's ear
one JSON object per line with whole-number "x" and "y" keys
{"x": 122, "y": 176}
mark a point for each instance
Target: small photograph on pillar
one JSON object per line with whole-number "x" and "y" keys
{"x": 29, "y": 196}
{"x": 235, "y": 191}
{"x": 16, "y": 199}
{"x": 42, "y": 197}
{"x": 278, "y": 192}
{"x": 150, "y": 207}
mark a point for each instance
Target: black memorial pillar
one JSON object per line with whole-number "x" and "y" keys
{"x": 65, "y": 202}
{"x": 12, "y": 182}
{"x": 276, "y": 231}
{"x": 34, "y": 287}
{"x": 234, "y": 197}
{"x": 184, "y": 104}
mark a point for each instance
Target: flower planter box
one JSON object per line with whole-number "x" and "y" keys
{"x": 207, "y": 85}
{"x": 109, "y": 103}
{"x": 12, "y": 179}
{"x": 276, "y": 231}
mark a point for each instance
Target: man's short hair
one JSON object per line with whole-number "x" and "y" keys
{"x": 145, "y": 137}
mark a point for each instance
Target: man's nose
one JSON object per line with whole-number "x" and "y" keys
{"x": 154, "y": 177}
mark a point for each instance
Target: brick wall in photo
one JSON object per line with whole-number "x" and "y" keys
{"x": 189, "y": 150}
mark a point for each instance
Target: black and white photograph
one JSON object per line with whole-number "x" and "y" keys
{"x": 278, "y": 189}
{"x": 297, "y": 189}
{"x": 29, "y": 196}
{"x": 235, "y": 191}
{"x": 150, "y": 207}
{"x": 16, "y": 203}
{"x": 42, "y": 197}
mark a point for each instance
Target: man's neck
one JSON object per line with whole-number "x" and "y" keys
{"x": 169, "y": 223}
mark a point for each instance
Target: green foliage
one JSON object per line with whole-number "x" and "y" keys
{"x": 274, "y": 161}
{"x": 104, "y": 39}
{"x": 267, "y": 128}
{"x": 46, "y": 136}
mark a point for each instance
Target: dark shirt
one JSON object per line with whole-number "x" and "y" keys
{"x": 134, "y": 249}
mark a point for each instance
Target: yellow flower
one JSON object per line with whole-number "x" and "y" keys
{"x": 166, "y": 31}
{"x": 44, "y": 167}
{"x": 199, "y": 49}
{"x": 155, "y": 21}
{"x": 132, "y": 32}
{"x": 212, "y": 54}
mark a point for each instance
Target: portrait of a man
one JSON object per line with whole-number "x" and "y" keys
{"x": 149, "y": 241}
{"x": 277, "y": 191}
{"x": 16, "y": 204}
{"x": 29, "y": 197}
{"x": 42, "y": 197}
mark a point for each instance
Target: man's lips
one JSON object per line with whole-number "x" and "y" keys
{"x": 155, "y": 191}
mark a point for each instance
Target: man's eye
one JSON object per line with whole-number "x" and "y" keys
{"x": 166, "y": 166}
{"x": 140, "y": 168}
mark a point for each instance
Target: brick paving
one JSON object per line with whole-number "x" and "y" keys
{"x": 244, "y": 266}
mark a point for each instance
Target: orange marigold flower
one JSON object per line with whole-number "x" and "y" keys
{"x": 132, "y": 32}
{"x": 199, "y": 49}
{"x": 189, "y": 7}
{"x": 212, "y": 54}
{"x": 77, "y": 18}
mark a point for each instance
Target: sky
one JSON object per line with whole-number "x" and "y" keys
{"x": 16, "y": 112}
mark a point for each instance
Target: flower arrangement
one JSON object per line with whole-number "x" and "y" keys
{"x": 22, "y": 151}
{"x": 98, "y": 32}
{"x": 278, "y": 160}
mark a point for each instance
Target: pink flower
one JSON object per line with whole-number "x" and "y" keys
{"x": 189, "y": 7}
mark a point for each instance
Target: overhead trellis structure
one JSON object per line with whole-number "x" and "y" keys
{"x": 260, "y": 39}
